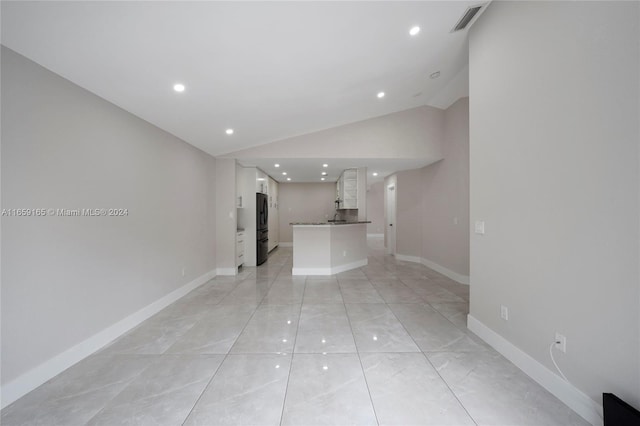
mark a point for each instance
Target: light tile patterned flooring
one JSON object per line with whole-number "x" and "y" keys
{"x": 384, "y": 344}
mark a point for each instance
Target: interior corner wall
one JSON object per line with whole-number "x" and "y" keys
{"x": 445, "y": 196}
{"x": 554, "y": 175}
{"x": 67, "y": 278}
{"x": 375, "y": 208}
{"x": 409, "y": 213}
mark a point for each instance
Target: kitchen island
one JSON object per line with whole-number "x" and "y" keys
{"x": 327, "y": 248}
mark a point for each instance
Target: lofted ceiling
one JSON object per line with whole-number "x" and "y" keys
{"x": 269, "y": 70}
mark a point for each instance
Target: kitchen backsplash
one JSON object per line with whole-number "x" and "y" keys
{"x": 350, "y": 215}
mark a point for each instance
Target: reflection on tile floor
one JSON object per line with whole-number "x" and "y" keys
{"x": 384, "y": 344}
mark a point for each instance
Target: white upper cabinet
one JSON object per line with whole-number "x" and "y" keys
{"x": 347, "y": 189}
{"x": 262, "y": 182}
{"x": 350, "y": 189}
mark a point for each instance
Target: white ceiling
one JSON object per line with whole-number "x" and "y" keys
{"x": 270, "y": 70}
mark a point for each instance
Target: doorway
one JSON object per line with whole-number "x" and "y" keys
{"x": 390, "y": 224}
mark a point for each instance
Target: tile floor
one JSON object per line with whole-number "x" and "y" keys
{"x": 384, "y": 344}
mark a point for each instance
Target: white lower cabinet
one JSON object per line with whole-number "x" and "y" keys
{"x": 239, "y": 248}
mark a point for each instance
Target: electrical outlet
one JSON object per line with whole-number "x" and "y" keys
{"x": 561, "y": 342}
{"x": 479, "y": 228}
{"x": 504, "y": 312}
{"x": 455, "y": 220}
{"x": 344, "y": 253}
{"x": 184, "y": 271}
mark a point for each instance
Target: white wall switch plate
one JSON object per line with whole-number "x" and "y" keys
{"x": 479, "y": 227}
{"x": 504, "y": 312}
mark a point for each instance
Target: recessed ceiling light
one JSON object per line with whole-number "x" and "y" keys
{"x": 321, "y": 178}
{"x": 284, "y": 173}
{"x": 276, "y": 165}
{"x": 229, "y": 131}
{"x": 288, "y": 178}
{"x": 414, "y": 30}
{"x": 325, "y": 165}
{"x": 178, "y": 87}
{"x": 435, "y": 75}
{"x": 324, "y": 173}
{"x": 380, "y": 95}
{"x": 375, "y": 174}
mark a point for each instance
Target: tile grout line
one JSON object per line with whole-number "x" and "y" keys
{"x": 364, "y": 376}
{"x": 157, "y": 358}
{"x": 429, "y": 361}
{"x": 293, "y": 349}
{"x": 204, "y": 390}
{"x": 450, "y": 390}
{"x": 222, "y": 362}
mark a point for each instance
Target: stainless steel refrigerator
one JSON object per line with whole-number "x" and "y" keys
{"x": 262, "y": 226}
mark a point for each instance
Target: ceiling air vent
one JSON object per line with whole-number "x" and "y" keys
{"x": 466, "y": 18}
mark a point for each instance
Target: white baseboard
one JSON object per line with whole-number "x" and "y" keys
{"x": 375, "y": 235}
{"x": 227, "y": 271}
{"x": 56, "y": 365}
{"x": 311, "y": 271}
{"x": 286, "y": 244}
{"x": 462, "y": 279}
{"x": 407, "y": 258}
{"x": 579, "y": 402}
{"x": 274, "y": 247}
{"x": 330, "y": 271}
{"x": 349, "y": 266}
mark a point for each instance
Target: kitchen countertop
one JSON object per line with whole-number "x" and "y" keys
{"x": 328, "y": 223}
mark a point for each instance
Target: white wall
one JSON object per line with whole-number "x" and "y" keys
{"x": 375, "y": 208}
{"x": 433, "y": 202}
{"x": 409, "y": 213}
{"x": 226, "y": 220}
{"x": 414, "y": 133}
{"x": 304, "y": 202}
{"x": 445, "y": 196}
{"x": 554, "y": 110}
{"x": 64, "y": 279}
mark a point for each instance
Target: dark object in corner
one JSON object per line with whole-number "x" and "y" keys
{"x": 618, "y": 413}
{"x": 262, "y": 228}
